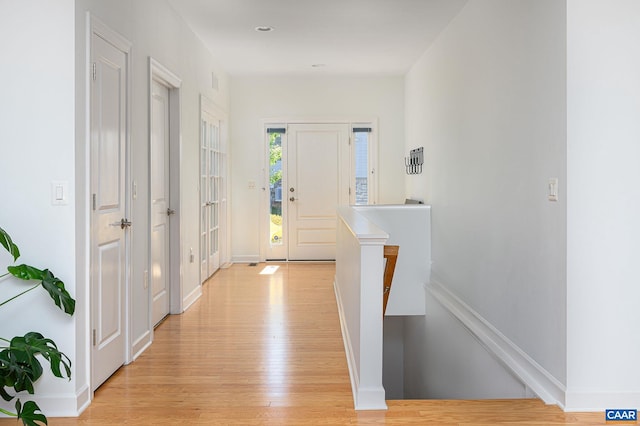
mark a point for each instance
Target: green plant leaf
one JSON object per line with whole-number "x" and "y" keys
{"x": 20, "y": 368}
{"x": 34, "y": 343}
{"x": 58, "y": 293}
{"x": 8, "y": 244}
{"x": 53, "y": 285}
{"x": 4, "y": 393}
{"x": 18, "y": 371}
{"x": 26, "y": 272}
{"x": 28, "y": 415}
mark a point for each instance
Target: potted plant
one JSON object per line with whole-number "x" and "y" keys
{"x": 20, "y": 366}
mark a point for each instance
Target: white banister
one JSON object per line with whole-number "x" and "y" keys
{"x": 358, "y": 285}
{"x": 362, "y": 233}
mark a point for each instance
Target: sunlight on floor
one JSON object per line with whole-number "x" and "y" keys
{"x": 269, "y": 270}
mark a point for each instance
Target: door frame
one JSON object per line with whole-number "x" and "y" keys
{"x": 355, "y": 121}
{"x": 98, "y": 28}
{"x": 166, "y": 77}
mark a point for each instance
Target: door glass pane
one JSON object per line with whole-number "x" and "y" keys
{"x": 203, "y": 247}
{"x": 275, "y": 188}
{"x": 362, "y": 167}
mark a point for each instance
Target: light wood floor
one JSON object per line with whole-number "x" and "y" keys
{"x": 267, "y": 350}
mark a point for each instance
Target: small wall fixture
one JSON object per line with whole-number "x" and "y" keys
{"x": 413, "y": 164}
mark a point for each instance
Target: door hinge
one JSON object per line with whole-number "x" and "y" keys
{"x": 93, "y": 201}
{"x": 349, "y": 140}
{"x": 94, "y": 337}
{"x": 93, "y": 71}
{"x": 349, "y": 190}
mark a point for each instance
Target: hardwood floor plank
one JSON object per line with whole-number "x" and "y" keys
{"x": 267, "y": 350}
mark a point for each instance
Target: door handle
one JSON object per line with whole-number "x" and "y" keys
{"x": 292, "y": 199}
{"x": 170, "y": 212}
{"x": 291, "y": 189}
{"x": 124, "y": 223}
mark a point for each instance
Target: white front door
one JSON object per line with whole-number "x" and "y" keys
{"x": 160, "y": 206}
{"x": 318, "y": 172}
{"x": 109, "y": 210}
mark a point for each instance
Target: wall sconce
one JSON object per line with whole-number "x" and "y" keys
{"x": 413, "y": 164}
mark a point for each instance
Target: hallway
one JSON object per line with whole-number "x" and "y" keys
{"x": 267, "y": 349}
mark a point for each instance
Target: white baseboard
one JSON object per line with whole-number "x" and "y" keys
{"x": 351, "y": 361}
{"x": 57, "y": 405}
{"x": 245, "y": 259}
{"x": 532, "y": 374}
{"x": 141, "y": 344}
{"x": 191, "y": 298}
{"x": 600, "y": 401}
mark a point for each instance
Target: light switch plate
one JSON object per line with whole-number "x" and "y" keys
{"x": 59, "y": 193}
{"x": 552, "y": 191}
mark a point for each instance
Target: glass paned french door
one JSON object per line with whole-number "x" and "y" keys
{"x": 211, "y": 181}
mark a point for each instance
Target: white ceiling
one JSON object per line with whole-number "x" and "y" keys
{"x": 347, "y": 36}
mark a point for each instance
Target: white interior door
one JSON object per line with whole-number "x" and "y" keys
{"x": 318, "y": 172}
{"x": 160, "y": 204}
{"x": 109, "y": 223}
{"x": 212, "y": 197}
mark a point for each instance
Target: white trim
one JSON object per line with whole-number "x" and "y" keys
{"x": 163, "y": 74}
{"x": 102, "y": 30}
{"x": 249, "y": 258}
{"x": 599, "y": 401}
{"x": 83, "y": 398}
{"x": 141, "y": 344}
{"x": 346, "y": 340}
{"x": 64, "y": 405}
{"x": 532, "y": 374}
{"x": 192, "y": 297}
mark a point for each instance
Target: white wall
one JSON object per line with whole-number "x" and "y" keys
{"x": 487, "y": 101}
{"x": 37, "y": 146}
{"x": 43, "y": 139}
{"x": 603, "y": 70}
{"x": 321, "y": 97}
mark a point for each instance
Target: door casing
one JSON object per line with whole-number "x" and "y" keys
{"x": 166, "y": 77}
{"x": 278, "y": 122}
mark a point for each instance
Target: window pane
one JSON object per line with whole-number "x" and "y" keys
{"x": 275, "y": 188}
{"x": 362, "y": 167}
